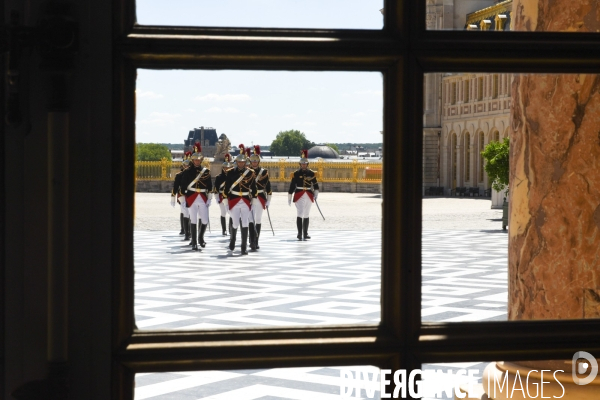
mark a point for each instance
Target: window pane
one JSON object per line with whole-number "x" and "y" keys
{"x": 575, "y": 378}
{"x": 327, "y": 383}
{"x": 333, "y": 278}
{"x": 498, "y": 15}
{"x": 334, "y": 14}
{"x": 511, "y": 252}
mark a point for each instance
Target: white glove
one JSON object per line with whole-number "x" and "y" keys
{"x": 216, "y": 197}
{"x": 208, "y": 202}
{"x": 316, "y": 193}
{"x": 172, "y": 201}
{"x": 289, "y": 200}
{"x": 225, "y": 203}
{"x": 268, "y": 201}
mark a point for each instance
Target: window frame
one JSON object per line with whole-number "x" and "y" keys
{"x": 403, "y": 51}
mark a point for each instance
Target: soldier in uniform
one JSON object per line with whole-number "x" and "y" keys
{"x": 239, "y": 186}
{"x": 261, "y": 197}
{"x": 176, "y": 196}
{"x": 304, "y": 190}
{"x": 218, "y": 191}
{"x": 197, "y": 185}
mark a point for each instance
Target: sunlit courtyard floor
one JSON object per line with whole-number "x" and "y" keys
{"x": 332, "y": 279}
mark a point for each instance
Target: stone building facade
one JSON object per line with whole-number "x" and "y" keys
{"x": 463, "y": 112}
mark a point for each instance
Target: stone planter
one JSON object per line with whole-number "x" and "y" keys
{"x": 504, "y": 215}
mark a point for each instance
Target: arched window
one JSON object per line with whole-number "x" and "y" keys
{"x": 496, "y": 136}
{"x": 454, "y": 157}
{"x": 481, "y": 146}
{"x": 467, "y": 157}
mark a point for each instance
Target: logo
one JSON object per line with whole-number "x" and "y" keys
{"x": 580, "y": 367}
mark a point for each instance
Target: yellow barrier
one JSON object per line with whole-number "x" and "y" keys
{"x": 351, "y": 171}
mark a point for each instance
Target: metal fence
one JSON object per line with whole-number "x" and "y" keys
{"x": 351, "y": 171}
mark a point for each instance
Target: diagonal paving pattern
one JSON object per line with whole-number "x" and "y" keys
{"x": 332, "y": 279}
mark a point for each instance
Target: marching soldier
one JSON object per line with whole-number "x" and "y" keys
{"x": 305, "y": 190}
{"x": 239, "y": 187}
{"x": 218, "y": 191}
{"x": 197, "y": 185}
{"x": 261, "y": 197}
{"x": 177, "y": 196}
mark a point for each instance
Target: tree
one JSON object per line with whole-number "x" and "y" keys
{"x": 289, "y": 143}
{"x": 333, "y": 146}
{"x": 497, "y": 166}
{"x": 152, "y": 152}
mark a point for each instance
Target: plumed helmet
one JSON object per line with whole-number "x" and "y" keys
{"x": 198, "y": 148}
{"x": 242, "y": 155}
{"x": 304, "y": 157}
{"x": 256, "y": 155}
{"x": 186, "y": 163}
{"x": 227, "y": 160}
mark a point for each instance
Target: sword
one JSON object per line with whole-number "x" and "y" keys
{"x": 269, "y": 215}
{"x": 319, "y": 208}
{"x": 208, "y": 213}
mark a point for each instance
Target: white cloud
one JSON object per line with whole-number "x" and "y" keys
{"x": 369, "y": 92}
{"x": 360, "y": 114}
{"x": 351, "y": 123}
{"x": 230, "y": 110}
{"x": 164, "y": 115}
{"x": 190, "y": 110}
{"x": 156, "y": 121}
{"x": 222, "y": 97}
{"x": 252, "y": 115}
{"x": 148, "y": 94}
{"x": 308, "y": 123}
{"x": 289, "y": 116}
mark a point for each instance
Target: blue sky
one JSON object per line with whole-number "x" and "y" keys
{"x": 253, "y": 106}
{"x": 340, "y": 14}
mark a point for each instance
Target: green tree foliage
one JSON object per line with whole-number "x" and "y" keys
{"x": 333, "y": 146}
{"x": 290, "y": 143}
{"x": 497, "y": 167}
{"x": 152, "y": 152}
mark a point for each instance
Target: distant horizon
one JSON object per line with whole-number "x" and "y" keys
{"x": 252, "y": 107}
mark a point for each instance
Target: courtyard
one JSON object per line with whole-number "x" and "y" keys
{"x": 332, "y": 279}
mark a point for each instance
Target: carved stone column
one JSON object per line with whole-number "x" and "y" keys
{"x": 554, "y": 230}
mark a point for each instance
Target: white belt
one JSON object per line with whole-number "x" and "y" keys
{"x": 241, "y": 193}
{"x": 200, "y": 190}
{"x": 306, "y": 189}
{"x": 260, "y": 191}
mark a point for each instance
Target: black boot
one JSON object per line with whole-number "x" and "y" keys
{"x": 299, "y": 226}
{"x": 202, "y": 230}
{"x": 232, "y": 235}
{"x": 305, "y": 226}
{"x": 230, "y": 225}
{"x": 186, "y": 228}
{"x": 194, "y": 236}
{"x": 258, "y": 234}
{"x": 244, "y": 240}
{"x": 252, "y": 236}
{"x": 182, "y": 231}
{"x": 224, "y": 226}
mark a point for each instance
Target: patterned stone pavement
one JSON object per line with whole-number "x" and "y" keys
{"x": 332, "y": 279}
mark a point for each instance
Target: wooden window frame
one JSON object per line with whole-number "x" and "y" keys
{"x": 403, "y": 51}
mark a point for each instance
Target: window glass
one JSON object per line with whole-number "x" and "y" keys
{"x": 573, "y": 378}
{"x": 327, "y": 383}
{"x": 332, "y": 274}
{"x": 508, "y": 245}
{"x": 504, "y": 15}
{"x": 335, "y": 14}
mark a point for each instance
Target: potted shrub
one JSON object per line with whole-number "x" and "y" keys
{"x": 497, "y": 169}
